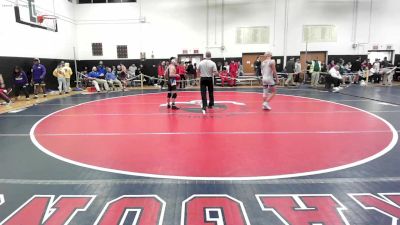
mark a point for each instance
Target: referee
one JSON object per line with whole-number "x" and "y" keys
{"x": 207, "y": 69}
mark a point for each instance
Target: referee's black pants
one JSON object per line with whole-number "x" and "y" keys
{"x": 207, "y": 83}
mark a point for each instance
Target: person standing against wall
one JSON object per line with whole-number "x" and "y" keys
{"x": 257, "y": 67}
{"x": 290, "y": 69}
{"x": 161, "y": 72}
{"x": 297, "y": 70}
{"x": 68, "y": 74}
{"x": 38, "y": 76}
{"x": 207, "y": 70}
{"x": 233, "y": 71}
{"x": 315, "y": 70}
{"x": 240, "y": 69}
{"x": 59, "y": 72}
{"x": 182, "y": 75}
{"x": 191, "y": 73}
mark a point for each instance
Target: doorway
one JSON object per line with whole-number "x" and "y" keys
{"x": 304, "y": 58}
{"x": 380, "y": 54}
{"x": 248, "y": 60}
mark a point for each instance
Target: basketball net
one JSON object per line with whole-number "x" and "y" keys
{"x": 48, "y": 21}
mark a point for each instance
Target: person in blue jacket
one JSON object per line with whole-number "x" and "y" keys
{"x": 112, "y": 79}
{"x": 98, "y": 79}
{"x": 101, "y": 69}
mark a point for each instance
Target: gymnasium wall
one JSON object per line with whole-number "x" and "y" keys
{"x": 18, "y": 40}
{"x": 174, "y": 25}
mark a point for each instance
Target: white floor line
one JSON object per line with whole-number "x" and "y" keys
{"x": 214, "y": 133}
{"x": 174, "y": 113}
{"x": 157, "y": 103}
{"x": 110, "y": 182}
{"x": 200, "y": 133}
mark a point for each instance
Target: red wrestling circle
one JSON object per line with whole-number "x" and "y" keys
{"x": 136, "y": 135}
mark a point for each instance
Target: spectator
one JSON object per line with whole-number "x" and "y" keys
{"x": 257, "y": 66}
{"x": 331, "y": 64}
{"x": 38, "y": 78}
{"x": 132, "y": 71}
{"x": 161, "y": 72}
{"x": 97, "y": 80}
{"x": 85, "y": 70}
{"x": 219, "y": 66}
{"x": 122, "y": 76}
{"x": 365, "y": 67}
{"x": 290, "y": 69}
{"x": 346, "y": 73}
{"x": 324, "y": 68}
{"x": 385, "y": 63}
{"x": 20, "y": 81}
{"x": 233, "y": 71}
{"x": 182, "y": 74}
{"x": 101, "y": 69}
{"x": 315, "y": 70}
{"x": 226, "y": 66}
{"x": 387, "y": 75}
{"x": 225, "y": 78}
{"x": 68, "y": 74}
{"x": 59, "y": 72}
{"x": 240, "y": 68}
{"x": 376, "y": 67}
{"x": 297, "y": 70}
{"x": 335, "y": 78}
{"x": 191, "y": 73}
{"x": 3, "y": 91}
{"x": 397, "y": 72}
{"x": 356, "y": 69}
{"x": 112, "y": 80}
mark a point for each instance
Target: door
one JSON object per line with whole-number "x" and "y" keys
{"x": 248, "y": 60}
{"x": 321, "y": 56}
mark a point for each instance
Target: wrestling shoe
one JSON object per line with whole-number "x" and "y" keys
{"x": 266, "y": 106}
{"x": 174, "y": 107}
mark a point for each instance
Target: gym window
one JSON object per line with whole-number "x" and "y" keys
{"x": 97, "y": 49}
{"x": 319, "y": 33}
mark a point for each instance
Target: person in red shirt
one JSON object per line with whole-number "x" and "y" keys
{"x": 233, "y": 70}
{"x": 225, "y": 78}
{"x": 182, "y": 74}
{"x": 3, "y": 91}
{"x": 161, "y": 72}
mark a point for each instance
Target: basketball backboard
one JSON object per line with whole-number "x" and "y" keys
{"x": 27, "y": 12}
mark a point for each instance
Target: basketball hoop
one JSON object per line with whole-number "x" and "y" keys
{"x": 48, "y": 22}
{"x": 42, "y": 18}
